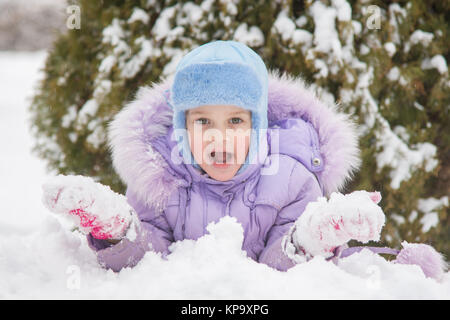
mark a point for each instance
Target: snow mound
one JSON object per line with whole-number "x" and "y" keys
{"x": 56, "y": 263}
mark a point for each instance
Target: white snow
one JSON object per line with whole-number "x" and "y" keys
{"x": 88, "y": 110}
{"x": 326, "y": 37}
{"x": 193, "y": 13}
{"x": 393, "y": 74}
{"x": 287, "y": 29}
{"x": 437, "y": 62}
{"x": 403, "y": 160}
{"x": 162, "y": 25}
{"x": 138, "y": 15}
{"x": 134, "y": 65}
{"x": 422, "y": 37}
{"x": 252, "y": 36}
{"x": 107, "y": 64}
{"x": 302, "y": 36}
{"x": 428, "y": 207}
{"x": 343, "y": 9}
{"x": 390, "y": 48}
{"x": 69, "y": 117}
{"x": 284, "y": 26}
{"x": 41, "y": 258}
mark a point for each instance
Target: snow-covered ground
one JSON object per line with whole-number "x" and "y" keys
{"x": 40, "y": 258}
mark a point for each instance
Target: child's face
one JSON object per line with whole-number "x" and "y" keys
{"x": 219, "y": 138}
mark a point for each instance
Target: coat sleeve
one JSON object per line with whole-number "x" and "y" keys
{"x": 303, "y": 188}
{"x": 152, "y": 233}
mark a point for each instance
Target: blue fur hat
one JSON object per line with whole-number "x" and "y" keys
{"x": 221, "y": 73}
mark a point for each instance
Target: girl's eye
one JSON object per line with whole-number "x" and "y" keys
{"x": 201, "y": 121}
{"x": 236, "y": 120}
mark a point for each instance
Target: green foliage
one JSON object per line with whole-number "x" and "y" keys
{"x": 393, "y": 80}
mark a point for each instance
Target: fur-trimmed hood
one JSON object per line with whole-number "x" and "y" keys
{"x": 149, "y": 116}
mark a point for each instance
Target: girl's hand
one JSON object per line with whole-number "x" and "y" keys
{"x": 325, "y": 225}
{"x": 94, "y": 207}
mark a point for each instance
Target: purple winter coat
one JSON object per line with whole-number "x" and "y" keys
{"x": 314, "y": 146}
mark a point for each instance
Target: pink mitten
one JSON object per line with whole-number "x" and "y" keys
{"x": 325, "y": 225}
{"x": 94, "y": 207}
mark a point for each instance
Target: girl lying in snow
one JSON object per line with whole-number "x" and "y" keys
{"x": 225, "y": 138}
